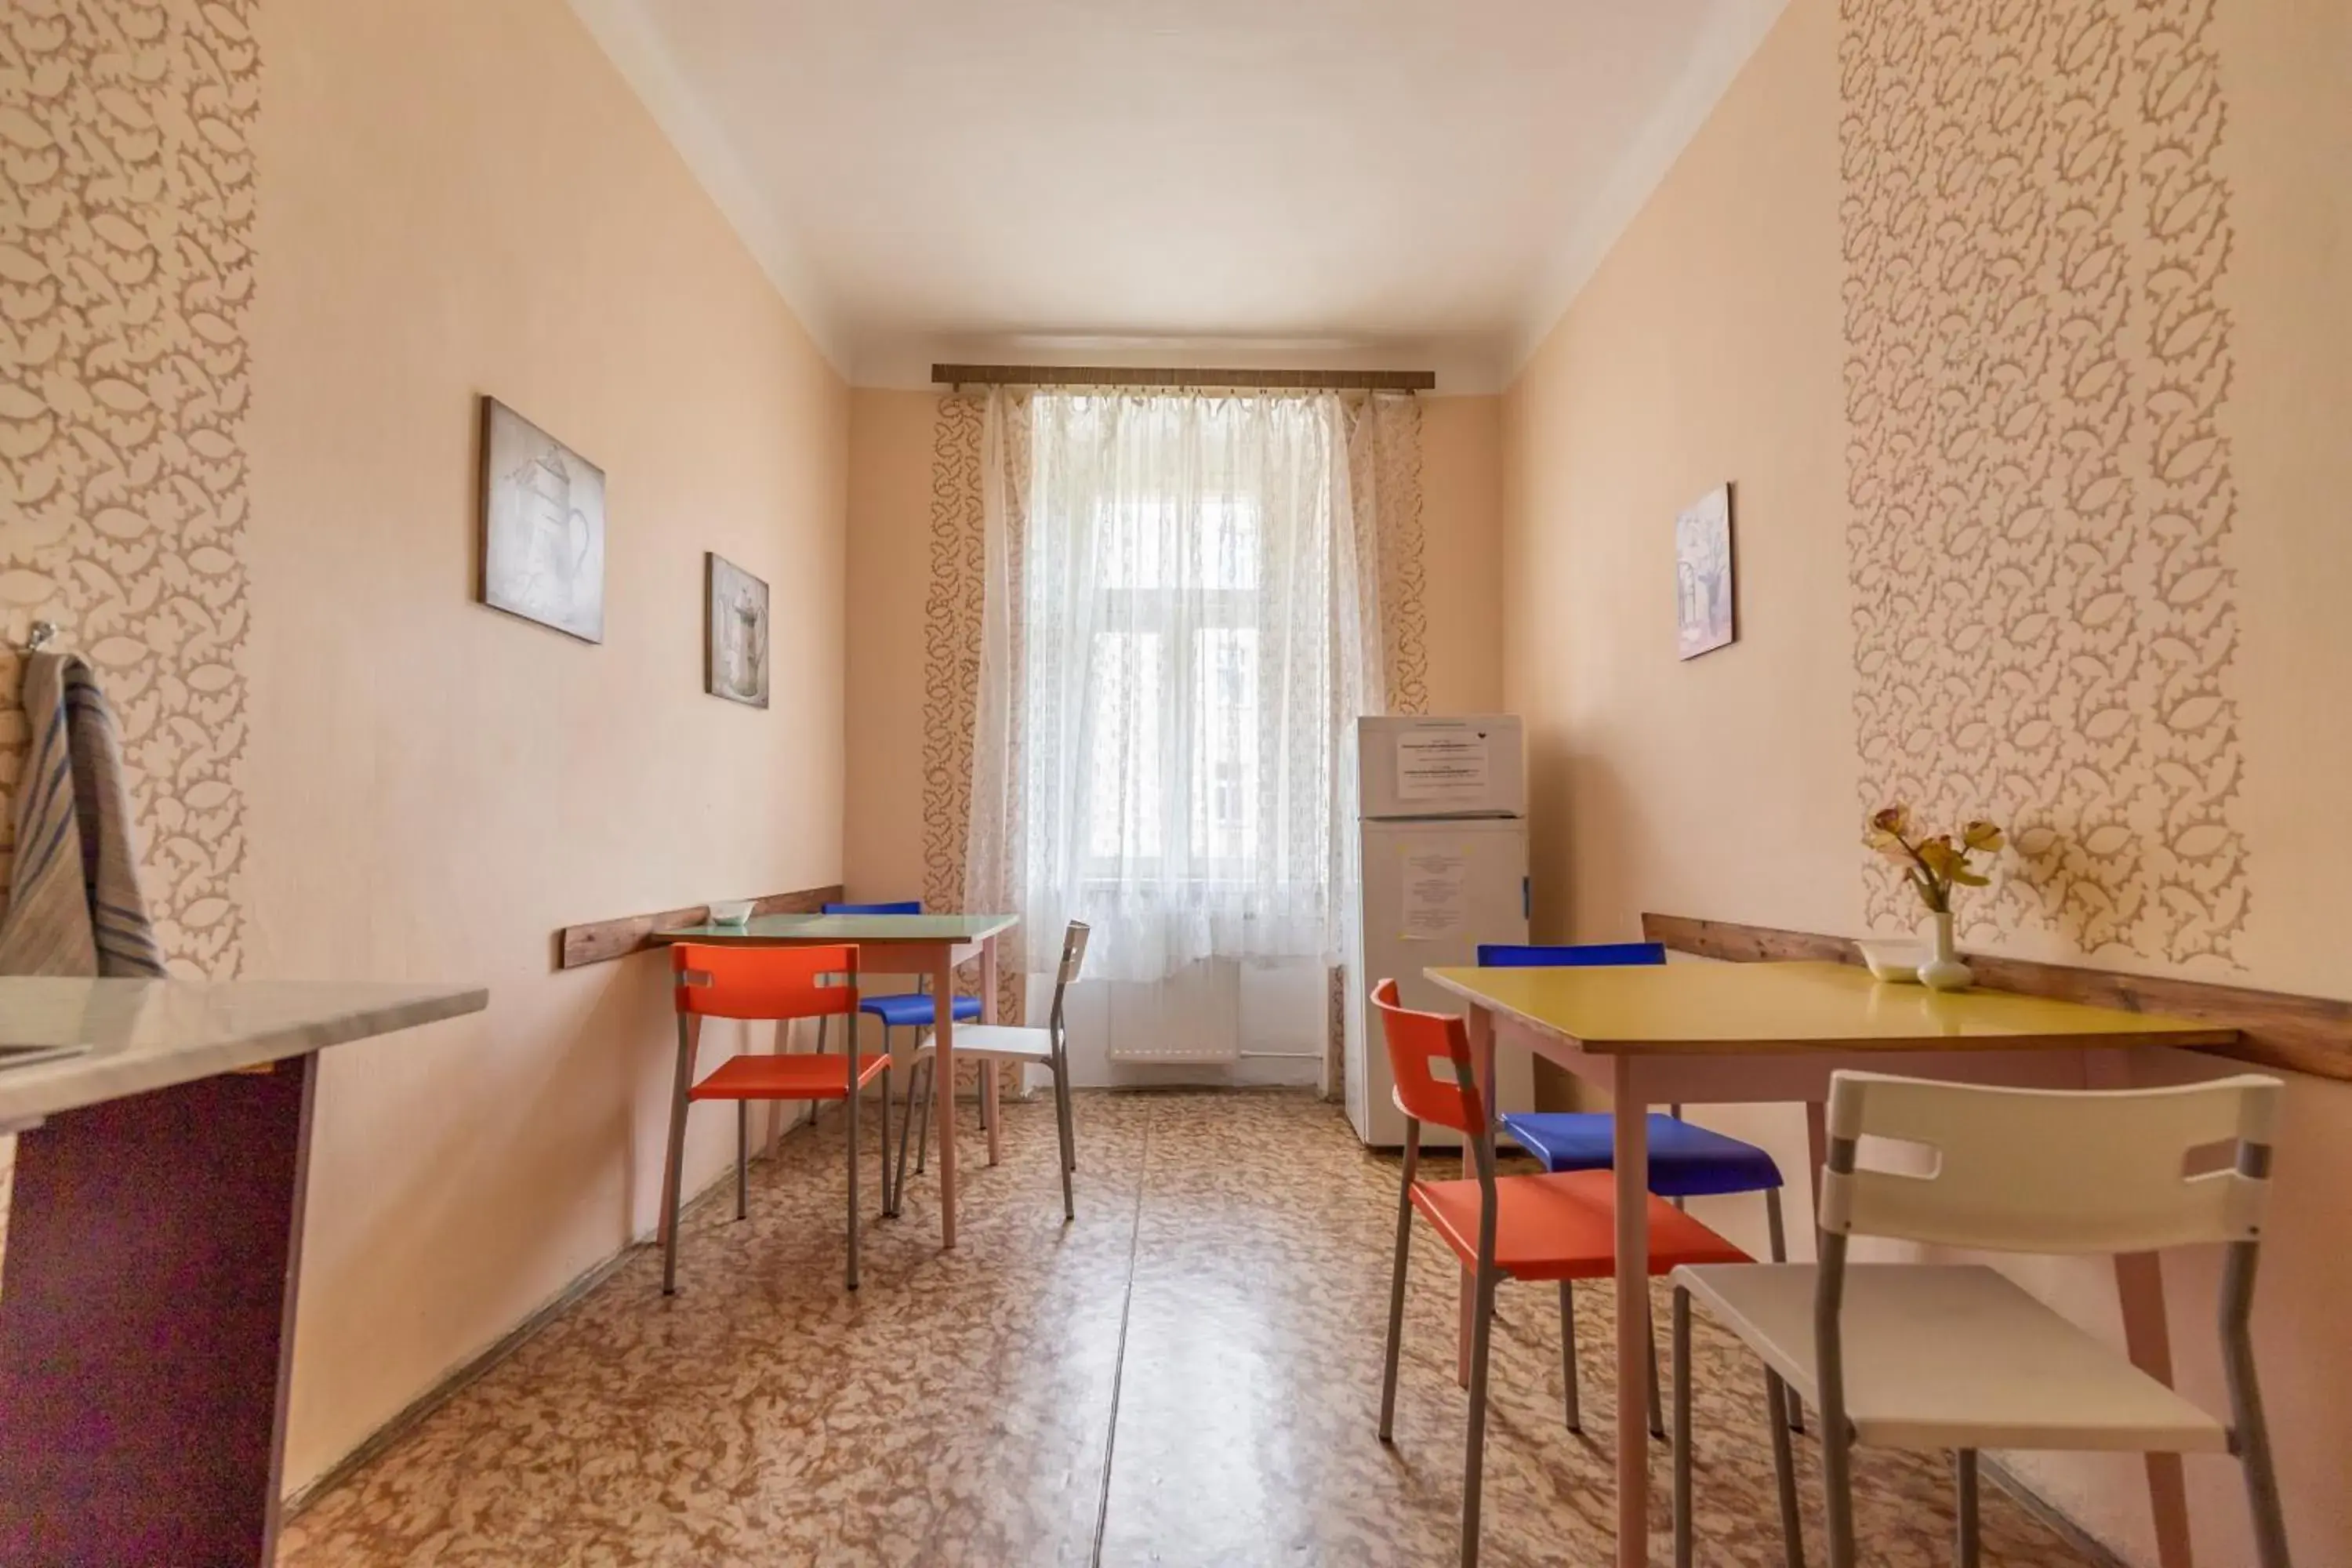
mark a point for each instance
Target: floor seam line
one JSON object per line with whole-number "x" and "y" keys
{"x": 1119, "y": 1363}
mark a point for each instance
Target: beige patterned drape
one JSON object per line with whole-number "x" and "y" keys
{"x": 1385, "y": 453}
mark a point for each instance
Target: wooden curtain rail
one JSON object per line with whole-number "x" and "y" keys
{"x": 1113, "y": 376}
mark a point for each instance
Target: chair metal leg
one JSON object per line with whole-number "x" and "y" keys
{"x": 1780, "y": 1240}
{"x": 1784, "y": 1469}
{"x": 1573, "y": 1398}
{"x": 1396, "y": 1287}
{"x": 2249, "y": 1429}
{"x": 851, "y": 1117}
{"x": 816, "y": 1105}
{"x": 1069, "y": 1113}
{"x": 1837, "y": 1433}
{"x": 991, "y": 1084}
{"x": 923, "y": 1112}
{"x": 2262, "y": 1499}
{"x": 1657, "y": 1402}
{"x": 1682, "y": 1530}
{"x": 1474, "y": 1463}
{"x": 742, "y": 1158}
{"x": 1964, "y": 1473}
{"x": 882, "y": 1172}
{"x": 1062, "y": 1126}
{"x": 907, "y": 1130}
{"x": 688, "y": 1032}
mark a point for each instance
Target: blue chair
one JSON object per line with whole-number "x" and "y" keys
{"x": 1685, "y": 1161}
{"x": 903, "y": 1009}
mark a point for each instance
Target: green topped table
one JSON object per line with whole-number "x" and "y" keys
{"x": 929, "y": 945}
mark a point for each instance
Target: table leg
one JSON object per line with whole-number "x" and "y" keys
{"x": 943, "y": 1085}
{"x": 1817, "y": 1160}
{"x": 147, "y": 1325}
{"x": 989, "y": 1076}
{"x": 2148, "y": 1339}
{"x": 1479, "y": 1025}
{"x": 1632, "y": 1161}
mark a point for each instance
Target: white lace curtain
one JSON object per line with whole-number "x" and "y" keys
{"x": 1180, "y": 623}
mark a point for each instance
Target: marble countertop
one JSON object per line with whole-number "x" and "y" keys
{"x": 134, "y": 1036}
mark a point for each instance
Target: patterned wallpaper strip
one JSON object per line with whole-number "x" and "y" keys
{"x": 2036, "y": 355}
{"x": 126, "y": 274}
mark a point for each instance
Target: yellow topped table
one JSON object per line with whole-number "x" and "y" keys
{"x": 1770, "y": 1032}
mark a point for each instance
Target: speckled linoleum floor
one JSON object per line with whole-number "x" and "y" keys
{"x": 1189, "y": 1374}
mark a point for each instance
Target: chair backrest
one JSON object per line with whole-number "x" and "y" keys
{"x": 764, "y": 981}
{"x": 2019, "y": 1170}
{"x": 1417, "y": 1043}
{"x": 1586, "y": 955}
{"x": 1074, "y": 954}
{"x": 1074, "y": 957}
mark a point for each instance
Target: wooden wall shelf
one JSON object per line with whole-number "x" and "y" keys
{"x": 577, "y": 946}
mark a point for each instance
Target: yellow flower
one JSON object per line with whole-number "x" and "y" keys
{"x": 1894, "y": 819}
{"x": 1981, "y": 835}
{"x": 1886, "y": 844}
{"x": 1941, "y": 858}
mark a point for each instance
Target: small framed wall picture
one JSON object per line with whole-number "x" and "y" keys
{"x": 735, "y": 654}
{"x": 542, "y": 526}
{"x": 1705, "y": 613}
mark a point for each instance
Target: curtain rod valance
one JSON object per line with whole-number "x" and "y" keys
{"x": 1113, "y": 376}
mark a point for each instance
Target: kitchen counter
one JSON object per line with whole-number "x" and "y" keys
{"x": 131, "y": 1036}
{"x": 154, "y": 1250}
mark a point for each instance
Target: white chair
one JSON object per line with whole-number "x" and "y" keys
{"x": 995, "y": 1044}
{"x": 1934, "y": 1356}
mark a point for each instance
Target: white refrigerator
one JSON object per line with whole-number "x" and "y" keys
{"x": 1441, "y": 852}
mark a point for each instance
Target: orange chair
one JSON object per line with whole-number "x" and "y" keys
{"x": 768, "y": 985}
{"x": 1550, "y": 1227}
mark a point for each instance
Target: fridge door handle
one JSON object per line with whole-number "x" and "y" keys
{"x": 1527, "y": 899}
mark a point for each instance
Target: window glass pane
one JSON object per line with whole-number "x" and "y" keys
{"x": 1225, "y": 802}
{"x": 1124, "y": 785}
{"x": 1226, "y": 543}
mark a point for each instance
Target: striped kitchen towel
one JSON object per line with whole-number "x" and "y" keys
{"x": 74, "y": 903}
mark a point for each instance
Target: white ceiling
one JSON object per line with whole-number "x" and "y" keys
{"x": 1422, "y": 182}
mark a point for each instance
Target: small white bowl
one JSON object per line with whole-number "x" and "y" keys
{"x": 730, "y": 913}
{"x": 1894, "y": 958}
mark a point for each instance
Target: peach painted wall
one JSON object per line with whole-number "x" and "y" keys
{"x": 890, "y": 438}
{"x": 459, "y": 198}
{"x": 891, "y": 492}
{"x": 1714, "y": 343}
{"x": 1461, "y": 550}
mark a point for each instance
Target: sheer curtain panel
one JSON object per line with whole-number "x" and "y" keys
{"x": 1180, "y": 626}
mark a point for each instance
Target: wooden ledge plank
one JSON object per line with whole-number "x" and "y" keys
{"x": 605, "y": 940}
{"x": 2301, "y": 1034}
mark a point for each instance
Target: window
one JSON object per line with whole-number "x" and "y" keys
{"x": 1175, "y": 678}
{"x": 1172, "y": 704}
